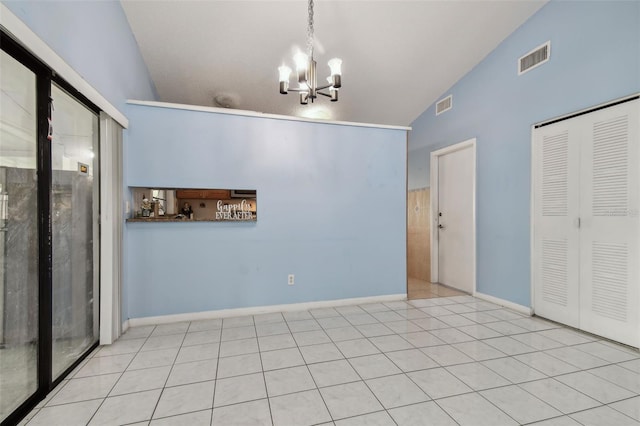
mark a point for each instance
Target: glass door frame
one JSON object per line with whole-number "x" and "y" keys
{"x": 45, "y": 77}
{"x": 62, "y": 101}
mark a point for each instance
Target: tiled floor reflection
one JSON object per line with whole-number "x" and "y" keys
{"x": 419, "y": 289}
{"x": 439, "y": 361}
{"x": 18, "y": 378}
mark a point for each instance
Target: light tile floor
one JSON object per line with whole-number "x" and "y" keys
{"x": 420, "y": 289}
{"x": 447, "y": 361}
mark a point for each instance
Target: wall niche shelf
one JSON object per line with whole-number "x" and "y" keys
{"x": 155, "y": 205}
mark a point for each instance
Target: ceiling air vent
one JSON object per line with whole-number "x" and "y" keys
{"x": 535, "y": 58}
{"x": 444, "y": 105}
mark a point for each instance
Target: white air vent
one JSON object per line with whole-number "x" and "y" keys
{"x": 535, "y": 58}
{"x": 444, "y": 105}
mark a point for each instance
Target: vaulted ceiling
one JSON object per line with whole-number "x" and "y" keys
{"x": 398, "y": 56}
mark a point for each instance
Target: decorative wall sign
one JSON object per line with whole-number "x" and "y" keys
{"x": 199, "y": 205}
{"x": 235, "y": 210}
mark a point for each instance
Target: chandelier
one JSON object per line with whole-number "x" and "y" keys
{"x": 306, "y": 72}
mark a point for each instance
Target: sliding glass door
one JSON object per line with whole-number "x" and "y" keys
{"x": 74, "y": 213}
{"x": 18, "y": 235}
{"x": 49, "y": 230}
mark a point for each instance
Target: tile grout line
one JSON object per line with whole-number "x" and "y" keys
{"x": 264, "y": 377}
{"x": 479, "y": 391}
{"x": 412, "y": 381}
{"x": 215, "y": 384}
{"x": 215, "y": 389}
{"x": 615, "y": 402}
{"x": 360, "y": 376}
{"x": 307, "y": 367}
{"x": 547, "y": 377}
{"x": 153, "y": 412}
{"x": 121, "y": 374}
{"x": 390, "y": 360}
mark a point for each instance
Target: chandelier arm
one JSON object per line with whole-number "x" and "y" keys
{"x": 324, "y": 87}
{"x": 324, "y": 94}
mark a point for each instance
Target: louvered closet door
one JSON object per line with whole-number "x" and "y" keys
{"x": 556, "y": 239}
{"x": 610, "y": 208}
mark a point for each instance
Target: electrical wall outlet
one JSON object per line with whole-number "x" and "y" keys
{"x": 291, "y": 280}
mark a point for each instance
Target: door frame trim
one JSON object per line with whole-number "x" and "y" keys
{"x": 111, "y": 220}
{"x": 532, "y": 225}
{"x": 469, "y": 143}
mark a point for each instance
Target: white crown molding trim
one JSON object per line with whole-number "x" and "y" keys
{"x": 22, "y": 34}
{"x": 246, "y": 113}
{"x": 256, "y": 310}
{"x": 507, "y": 304}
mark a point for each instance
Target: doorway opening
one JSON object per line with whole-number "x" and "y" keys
{"x": 453, "y": 201}
{"x": 419, "y": 285}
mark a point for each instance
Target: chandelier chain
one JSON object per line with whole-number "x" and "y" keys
{"x": 310, "y": 30}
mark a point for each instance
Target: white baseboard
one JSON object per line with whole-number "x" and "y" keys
{"x": 225, "y": 313}
{"x": 125, "y": 326}
{"x": 513, "y": 306}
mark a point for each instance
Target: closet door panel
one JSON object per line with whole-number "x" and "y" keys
{"x": 610, "y": 208}
{"x": 556, "y": 234}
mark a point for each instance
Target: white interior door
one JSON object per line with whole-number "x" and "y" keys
{"x": 610, "y": 208}
{"x": 455, "y": 218}
{"x": 556, "y": 240}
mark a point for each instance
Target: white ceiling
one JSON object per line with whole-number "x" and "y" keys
{"x": 398, "y": 56}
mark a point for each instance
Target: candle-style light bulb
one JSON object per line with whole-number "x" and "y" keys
{"x": 336, "y": 71}
{"x": 284, "y": 72}
{"x": 302, "y": 62}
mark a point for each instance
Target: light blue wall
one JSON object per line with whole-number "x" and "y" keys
{"x": 331, "y": 210}
{"x": 95, "y": 39}
{"x": 595, "y": 57}
{"x": 418, "y": 168}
